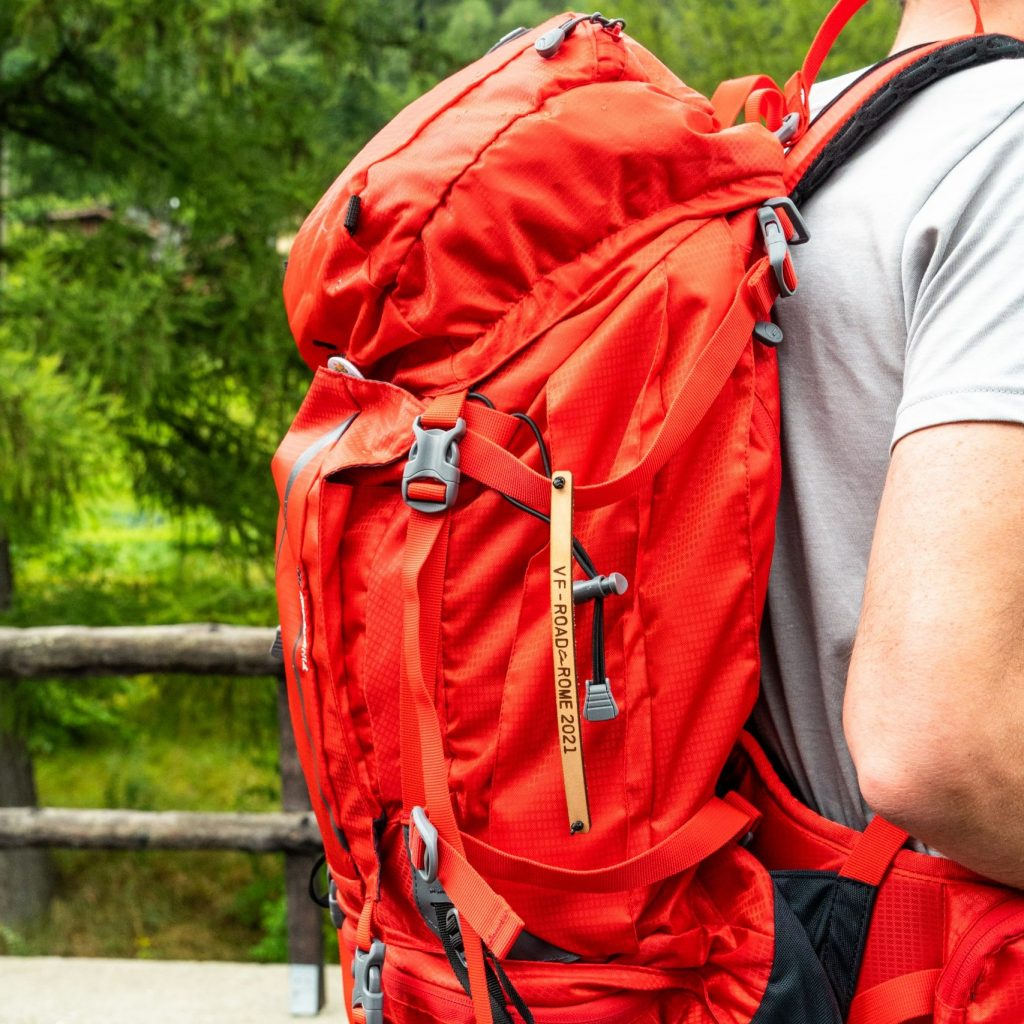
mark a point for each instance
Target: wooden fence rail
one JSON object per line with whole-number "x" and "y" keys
{"x": 192, "y": 649}
{"x": 156, "y": 830}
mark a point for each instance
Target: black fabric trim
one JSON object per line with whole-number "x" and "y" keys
{"x": 874, "y": 112}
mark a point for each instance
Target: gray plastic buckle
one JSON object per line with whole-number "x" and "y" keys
{"x": 434, "y": 456}
{"x": 366, "y": 988}
{"x": 428, "y": 836}
{"x": 774, "y": 234}
{"x": 334, "y": 907}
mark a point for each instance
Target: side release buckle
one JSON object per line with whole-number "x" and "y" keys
{"x": 366, "y": 988}
{"x": 774, "y": 234}
{"x": 430, "y": 480}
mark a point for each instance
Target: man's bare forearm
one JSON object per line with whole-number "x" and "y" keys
{"x": 934, "y": 711}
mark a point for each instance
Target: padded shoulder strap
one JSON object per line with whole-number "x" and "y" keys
{"x": 866, "y": 105}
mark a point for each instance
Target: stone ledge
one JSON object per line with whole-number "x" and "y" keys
{"x": 80, "y": 990}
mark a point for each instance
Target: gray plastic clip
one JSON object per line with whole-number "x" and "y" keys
{"x": 339, "y": 364}
{"x": 774, "y": 234}
{"x": 599, "y": 705}
{"x": 334, "y": 907}
{"x": 434, "y": 456}
{"x": 428, "y": 836}
{"x": 612, "y": 585}
{"x": 788, "y": 128}
{"x": 366, "y": 988}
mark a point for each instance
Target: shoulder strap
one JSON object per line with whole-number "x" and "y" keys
{"x": 798, "y": 88}
{"x": 867, "y": 104}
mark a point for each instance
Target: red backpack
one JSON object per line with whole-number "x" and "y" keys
{"x": 527, "y": 511}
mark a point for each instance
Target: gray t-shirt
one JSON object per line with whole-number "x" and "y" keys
{"x": 910, "y": 313}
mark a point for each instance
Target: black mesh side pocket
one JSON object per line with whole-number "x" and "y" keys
{"x": 799, "y": 990}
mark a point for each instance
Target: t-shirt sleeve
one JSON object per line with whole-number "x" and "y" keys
{"x": 963, "y": 285}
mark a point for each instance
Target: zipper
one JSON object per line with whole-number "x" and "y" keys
{"x": 993, "y": 930}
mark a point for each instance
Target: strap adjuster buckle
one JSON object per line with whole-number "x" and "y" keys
{"x": 334, "y": 907}
{"x": 433, "y": 464}
{"x": 367, "y": 991}
{"x": 453, "y": 928}
{"x": 774, "y": 234}
{"x": 426, "y": 833}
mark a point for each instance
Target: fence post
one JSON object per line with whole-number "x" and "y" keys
{"x": 305, "y": 918}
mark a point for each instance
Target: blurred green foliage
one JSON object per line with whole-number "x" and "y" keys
{"x": 155, "y": 160}
{"x": 158, "y": 158}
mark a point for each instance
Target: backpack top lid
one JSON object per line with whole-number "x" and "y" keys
{"x": 505, "y": 195}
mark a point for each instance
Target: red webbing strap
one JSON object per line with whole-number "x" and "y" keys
{"x": 979, "y": 24}
{"x": 497, "y": 425}
{"x": 897, "y": 1000}
{"x": 423, "y": 764}
{"x": 364, "y": 929}
{"x": 492, "y": 465}
{"x": 492, "y": 918}
{"x": 731, "y": 96}
{"x": 874, "y": 851}
{"x": 443, "y": 411}
{"x": 798, "y": 88}
{"x": 715, "y": 825}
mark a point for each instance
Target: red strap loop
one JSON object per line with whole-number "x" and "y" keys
{"x": 768, "y": 105}
{"x": 731, "y": 96}
{"x": 874, "y": 851}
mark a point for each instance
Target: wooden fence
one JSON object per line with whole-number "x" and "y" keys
{"x": 202, "y": 649}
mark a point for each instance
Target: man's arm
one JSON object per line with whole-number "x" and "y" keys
{"x": 934, "y": 709}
